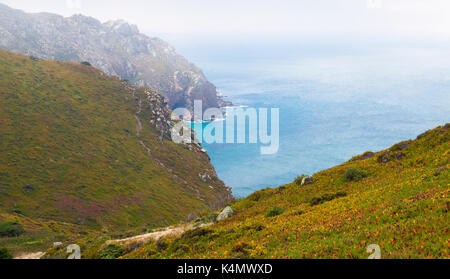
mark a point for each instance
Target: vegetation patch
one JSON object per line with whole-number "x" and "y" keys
{"x": 206, "y": 219}
{"x": 111, "y": 252}
{"x": 196, "y": 233}
{"x": 4, "y": 254}
{"x": 354, "y": 175}
{"x": 275, "y": 211}
{"x": 326, "y": 198}
{"x": 11, "y": 229}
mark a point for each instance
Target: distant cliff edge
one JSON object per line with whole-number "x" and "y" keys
{"x": 115, "y": 47}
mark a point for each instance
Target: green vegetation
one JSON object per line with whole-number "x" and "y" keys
{"x": 4, "y": 254}
{"x": 402, "y": 206}
{"x": 326, "y": 198}
{"x": 71, "y": 161}
{"x": 275, "y": 211}
{"x": 11, "y": 229}
{"x": 354, "y": 175}
{"x": 111, "y": 252}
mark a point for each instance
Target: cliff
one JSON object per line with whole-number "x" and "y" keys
{"x": 115, "y": 47}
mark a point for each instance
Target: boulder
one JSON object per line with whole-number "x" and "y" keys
{"x": 307, "y": 180}
{"x": 225, "y": 214}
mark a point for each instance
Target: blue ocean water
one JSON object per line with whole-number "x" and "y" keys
{"x": 334, "y": 104}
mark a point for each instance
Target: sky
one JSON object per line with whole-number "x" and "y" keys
{"x": 271, "y": 18}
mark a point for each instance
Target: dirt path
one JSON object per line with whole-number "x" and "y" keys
{"x": 139, "y": 123}
{"x": 31, "y": 256}
{"x": 155, "y": 235}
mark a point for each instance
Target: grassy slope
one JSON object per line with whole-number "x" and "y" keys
{"x": 402, "y": 206}
{"x": 65, "y": 155}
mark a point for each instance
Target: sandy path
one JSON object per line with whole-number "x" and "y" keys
{"x": 155, "y": 235}
{"x": 31, "y": 256}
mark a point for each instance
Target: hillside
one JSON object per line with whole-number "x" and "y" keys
{"x": 397, "y": 199}
{"x": 82, "y": 151}
{"x": 115, "y": 47}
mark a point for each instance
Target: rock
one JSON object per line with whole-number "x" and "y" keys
{"x": 225, "y": 214}
{"x": 307, "y": 180}
{"x": 115, "y": 47}
{"x": 365, "y": 156}
{"x": 56, "y": 245}
{"x": 388, "y": 156}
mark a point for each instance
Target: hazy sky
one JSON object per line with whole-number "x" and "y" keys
{"x": 295, "y": 18}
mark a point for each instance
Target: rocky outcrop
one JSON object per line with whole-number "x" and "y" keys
{"x": 225, "y": 214}
{"x": 115, "y": 47}
{"x": 307, "y": 180}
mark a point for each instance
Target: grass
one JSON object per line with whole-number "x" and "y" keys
{"x": 69, "y": 154}
{"x": 402, "y": 206}
{"x": 11, "y": 229}
{"x": 4, "y": 254}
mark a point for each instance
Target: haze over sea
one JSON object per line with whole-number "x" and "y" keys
{"x": 336, "y": 101}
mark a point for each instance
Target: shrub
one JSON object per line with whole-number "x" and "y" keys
{"x": 112, "y": 252}
{"x": 161, "y": 245}
{"x": 327, "y": 197}
{"x": 354, "y": 175}
{"x": 4, "y": 254}
{"x": 207, "y": 219}
{"x": 196, "y": 233}
{"x": 275, "y": 211}
{"x": 86, "y": 63}
{"x": 11, "y": 229}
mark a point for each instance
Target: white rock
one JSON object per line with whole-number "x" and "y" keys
{"x": 307, "y": 180}
{"x": 225, "y": 214}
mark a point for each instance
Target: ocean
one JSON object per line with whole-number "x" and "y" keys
{"x": 335, "y": 102}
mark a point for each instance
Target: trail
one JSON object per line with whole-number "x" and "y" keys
{"x": 139, "y": 123}
{"x": 149, "y": 151}
{"x": 30, "y": 256}
{"x": 155, "y": 235}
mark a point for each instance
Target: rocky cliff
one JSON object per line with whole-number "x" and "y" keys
{"x": 115, "y": 47}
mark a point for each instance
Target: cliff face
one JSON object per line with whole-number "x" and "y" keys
{"x": 115, "y": 47}
{"x": 81, "y": 147}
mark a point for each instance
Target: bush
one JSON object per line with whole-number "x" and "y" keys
{"x": 161, "y": 245}
{"x": 354, "y": 175}
{"x": 196, "y": 233}
{"x": 4, "y": 254}
{"x": 327, "y": 197}
{"x": 85, "y": 63}
{"x": 275, "y": 211}
{"x": 11, "y": 229}
{"x": 112, "y": 252}
{"x": 207, "y": 219}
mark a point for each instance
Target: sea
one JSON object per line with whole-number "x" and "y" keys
{"x": 335, "y": 101}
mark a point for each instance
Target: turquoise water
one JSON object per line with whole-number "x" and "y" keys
{"x": 334, "y": 104}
